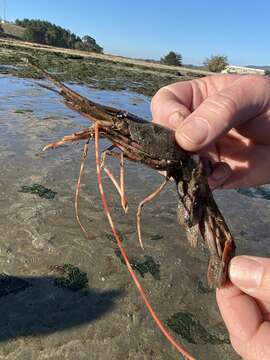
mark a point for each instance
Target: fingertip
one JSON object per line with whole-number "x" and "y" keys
{"x": 246, "y": 272}
{"x": 221, "y": 172}
{"x": 193, "y": 133}
{"x": 172, "y": 115}
{"x": 167, "y": 109}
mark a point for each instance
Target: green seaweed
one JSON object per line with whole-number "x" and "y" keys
{"x": 190, "y": 329}
{"x": 74, "y": 279}
{"x": 111, "y": 237}
{"x": 39, "y": 190}
{"x": 22, "y": 111}
{"x": 147, "y": 266}
{"x": 156, "y": 237}
{"x": 98, "y": 72}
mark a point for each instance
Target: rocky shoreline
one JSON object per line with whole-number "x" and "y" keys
{"x": 96, "y": 70}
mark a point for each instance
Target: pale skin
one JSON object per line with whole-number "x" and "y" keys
{"x": 227, "y": 119}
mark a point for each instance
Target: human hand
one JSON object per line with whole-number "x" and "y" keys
{"x": 225, "y": 118}
{"x": 245, "y": 306}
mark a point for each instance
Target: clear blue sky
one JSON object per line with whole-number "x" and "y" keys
{"x": 149, "y": 29}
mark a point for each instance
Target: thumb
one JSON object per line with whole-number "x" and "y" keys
{"x": 221, "y": 111}
{"x": 252, "y": 275}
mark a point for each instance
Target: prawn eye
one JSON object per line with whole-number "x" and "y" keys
{"x": 122, "y": 114}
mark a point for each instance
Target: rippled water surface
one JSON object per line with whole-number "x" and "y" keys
{"x": 107, "y": 320}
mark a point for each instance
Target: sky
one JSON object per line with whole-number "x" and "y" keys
{"x": 150, "y": 29}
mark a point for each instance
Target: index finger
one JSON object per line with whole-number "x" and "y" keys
{"x": 203, "y": 110}
{"x": 171, "y": 104}
{"x": 174, "y": 102}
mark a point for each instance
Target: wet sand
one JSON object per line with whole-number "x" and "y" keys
{"x": 107, "y": 320}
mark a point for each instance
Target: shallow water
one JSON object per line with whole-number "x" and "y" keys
{"x": 108, "y": 320}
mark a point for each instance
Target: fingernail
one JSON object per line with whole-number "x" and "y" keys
{"x": 246, "y": 272}
{"x": 221, "y": 172}
{"x": 175, "y": 119}
{"x": 195, "y": 131}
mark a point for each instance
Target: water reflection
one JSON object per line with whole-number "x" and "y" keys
{"x": 260, "y": 192}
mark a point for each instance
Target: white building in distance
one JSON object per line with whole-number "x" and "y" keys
{"x": 233, "y": 69}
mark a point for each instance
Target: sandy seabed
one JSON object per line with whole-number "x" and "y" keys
{"x": 107, "y": 320}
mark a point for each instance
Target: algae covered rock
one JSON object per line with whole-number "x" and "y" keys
{"x": 143, "y": 267}
{"x": 39, "y": 190}
{"x": 73, "y": 278}
{"x": 190, "y": 329}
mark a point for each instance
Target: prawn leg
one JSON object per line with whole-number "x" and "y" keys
{"x": 119, "y": 187}
{"x": 145, "y": 201}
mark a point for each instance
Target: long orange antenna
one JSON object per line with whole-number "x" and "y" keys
{"x": 142, "y": 203}
{"x": 162, "y": 328}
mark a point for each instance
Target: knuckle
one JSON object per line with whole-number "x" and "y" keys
{"x": 200, "y": 88}
{"x": 256, "y": 78}
{"x": 260, "y": 82}
{"x": 223, "y": 104}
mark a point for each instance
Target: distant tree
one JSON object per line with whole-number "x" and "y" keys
{"x": 216, "y": 63}
{"x": 90, "y": 44}
{"x": 44, "y": 32}
{"x": 267, "y": 72}
{"x": 32, "y": 36}
{"x": 172, "y": 58}
{"x": 51, "y": 36}
{"x": 78, "y": 45}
